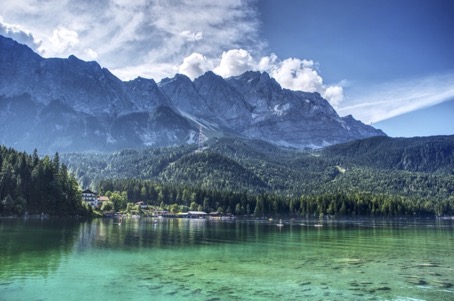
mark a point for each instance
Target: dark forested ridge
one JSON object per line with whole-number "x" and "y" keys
{"x": 32, "y": 185}
{"x": 422, "y": 154}
{"x": 388, "y": 176}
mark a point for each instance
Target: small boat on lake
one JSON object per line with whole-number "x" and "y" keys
{"x": 119, "y": 220}
{"x": 280, "y": 224}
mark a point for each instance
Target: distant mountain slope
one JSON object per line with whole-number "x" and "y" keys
{"x": 255, "y": 166}
{"x": 423, "y": 154}
{"x": 72, "y": 105}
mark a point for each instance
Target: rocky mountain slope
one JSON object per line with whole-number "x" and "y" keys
{"x": 72, "y": 105}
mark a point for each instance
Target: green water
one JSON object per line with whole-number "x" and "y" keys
{"x": 177, "y": 259}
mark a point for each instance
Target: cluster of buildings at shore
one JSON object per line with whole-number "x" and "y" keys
{"x": 96, "y": 201}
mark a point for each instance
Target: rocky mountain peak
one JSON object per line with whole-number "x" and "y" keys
{"x": 97, "y": 111}
{"x": 178, "y": 79}
{"x": 141, "y": 82}
{"x": 255, "y": 79}
{"x": 10, "y": 48}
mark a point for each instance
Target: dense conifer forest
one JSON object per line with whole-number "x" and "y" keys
{"x": 375, "y": 176}
{"x": 378, "y": 176}
{"x": 33, "y": 185}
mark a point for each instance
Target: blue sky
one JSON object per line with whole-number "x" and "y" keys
{"x": 401, "y": 52}
{"x": 377, "y": 60}
{"x": 415, "y": 123}
{"x": 364, "y": 40}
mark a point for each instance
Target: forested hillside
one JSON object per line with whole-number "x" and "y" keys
{"x": 423, "y": 154}
{"x": 235, "y": 173}
{"x": 32, "y": 185}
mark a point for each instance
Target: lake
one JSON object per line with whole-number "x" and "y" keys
{"x": 181, "y": 259}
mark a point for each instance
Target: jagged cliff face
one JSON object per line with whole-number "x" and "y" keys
{"x": 72, "y": 105}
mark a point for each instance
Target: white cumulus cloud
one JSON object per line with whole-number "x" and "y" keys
{"x": 194, "y": 65}
{"x": 292, "y": 73}
{"x": 297, "y": 74}
{"x": 91, "y": 54}
{"x": 63, "y": 41}
{"x": 300, "y": 74}
{"x": 334, "y": 95}
{"x": 235, "y": 62}
{"x": 19, "y": 34}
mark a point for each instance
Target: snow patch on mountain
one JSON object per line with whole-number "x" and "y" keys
{"x": 280, "y": 110}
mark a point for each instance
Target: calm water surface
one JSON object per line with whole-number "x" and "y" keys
{"x": 178, "y": 259}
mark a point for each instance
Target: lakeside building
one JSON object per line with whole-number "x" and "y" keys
{"x": 192, "y": 214}
{"x": 93, "y": 199}
{"x": 90, "y": 197}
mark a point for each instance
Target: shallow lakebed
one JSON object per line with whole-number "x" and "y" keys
{"x": 182, "y": 259}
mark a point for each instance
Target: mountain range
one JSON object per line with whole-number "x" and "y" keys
{"x": 69, "y": 105}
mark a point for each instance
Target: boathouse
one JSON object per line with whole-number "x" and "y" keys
{"x": 192, "y": 214}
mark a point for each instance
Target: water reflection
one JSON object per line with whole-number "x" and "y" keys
{"x": 170, "y": 259}
{"x": 35, "y": 246}
{"x": 148, "y": 233}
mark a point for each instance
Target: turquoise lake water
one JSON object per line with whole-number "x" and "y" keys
{"x": 179, "y": 259}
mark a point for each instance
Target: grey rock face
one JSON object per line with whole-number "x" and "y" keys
{"x": 294, "y": 118}
{"x": 224, "y": 101}
{"x": 72, "y": 105}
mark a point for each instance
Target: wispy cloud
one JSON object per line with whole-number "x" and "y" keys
{"x": 140, "y": 36}
{"x": 157, "y": 38}
{"x": 388, "y": 100}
